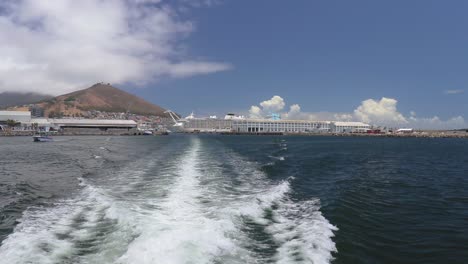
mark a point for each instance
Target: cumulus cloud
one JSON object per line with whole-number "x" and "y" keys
{"x": 436, "y": 123}
{"x": 275, "y": 104}
{"x": 458, "y": 91}
{"x": 294, "y": 111}
{"x": 255, "y": 112}
{"x": 61, "y": 45}
{"x": 383, "y": 112}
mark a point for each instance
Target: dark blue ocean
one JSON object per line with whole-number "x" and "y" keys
{"x": 233, "y": 199}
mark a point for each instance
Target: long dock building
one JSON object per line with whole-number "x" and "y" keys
{"x": 239, "y": 124}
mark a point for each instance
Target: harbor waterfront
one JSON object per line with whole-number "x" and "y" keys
{"x": 25, "y": 125}
{"x": 233, "y": 132}
{"x": 217, "y": 199}
{"x": 240, "y": 124}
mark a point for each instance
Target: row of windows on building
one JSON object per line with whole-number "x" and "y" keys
{"x": 247, "y": 126}
{"x": 280, "y": 126}
{"x": 208, "y": 124}
{"x": 342, "y": 129}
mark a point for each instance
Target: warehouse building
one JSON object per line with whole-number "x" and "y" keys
{"x": 265, "y": 126}
{"x": 95, "y": 126}
{"x": 349, "y": 127}
{"x": 279, "y": 126}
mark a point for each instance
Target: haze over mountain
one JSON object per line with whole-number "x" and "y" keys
{"x": 8, "y": 99}
{"x": 100, "y": 97}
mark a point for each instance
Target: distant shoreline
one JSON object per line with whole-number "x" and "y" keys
{"x": 30, "y": 134}
{"x": 426, "y": 134}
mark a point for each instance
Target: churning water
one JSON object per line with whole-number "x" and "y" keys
{"x": 214, "y": 199}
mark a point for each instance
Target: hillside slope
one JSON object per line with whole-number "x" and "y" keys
{"x": 100, "y": 97}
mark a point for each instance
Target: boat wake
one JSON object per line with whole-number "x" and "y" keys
{"x": 204, "y": 207}
{"x": 181, "y": 230}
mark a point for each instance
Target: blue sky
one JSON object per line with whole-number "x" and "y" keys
{"x": 218, "y": 56}
{"x": 327, "y": 56}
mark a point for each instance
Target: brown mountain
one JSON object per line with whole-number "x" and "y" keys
{"x": 100, "y": 97}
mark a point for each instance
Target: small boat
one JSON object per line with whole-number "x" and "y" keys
{"x": 147, "y": 133}
{"x": 42, "y": 138}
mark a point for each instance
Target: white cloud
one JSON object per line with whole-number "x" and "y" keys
{"x": 267, "y": 107}
{"x": 459, "y": 91}
{"x": 275, "y": 104}
{"x": 200, "y": 3}
{"x": 255, "y": 112}
{"x": 383, "y": 111}
{"x": 436, "y": 123}
{"x": 294, "y": 111}
{"x": 343, "y": 117}
{"x": 60, "y": 45}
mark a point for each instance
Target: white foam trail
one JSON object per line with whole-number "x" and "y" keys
{"x": 54, "y": 235}
{"x": 299, "y": 228}
{"x": 93, "y": 227}
{"x": 182, "y": 231}
{"x": 23, "y": 246}
{"x": 191, "y": 214}
{"x": 304, "y": 235}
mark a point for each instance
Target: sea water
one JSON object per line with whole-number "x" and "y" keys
{"x": 233, "y": 199}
